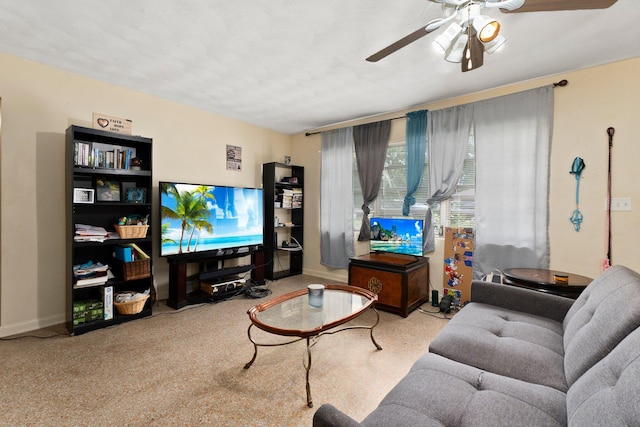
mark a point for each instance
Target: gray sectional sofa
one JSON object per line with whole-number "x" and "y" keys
{"x": 515, "y": 357}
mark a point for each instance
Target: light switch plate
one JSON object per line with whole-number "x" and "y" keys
{"x": 619, "y": 203}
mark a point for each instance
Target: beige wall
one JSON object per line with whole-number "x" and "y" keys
{"x": 40, "y": 102}
{"x": 595, "y": 99}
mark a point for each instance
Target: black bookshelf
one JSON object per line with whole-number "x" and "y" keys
{"x": 101, "y": 168}
{"x": 283, "y": 241}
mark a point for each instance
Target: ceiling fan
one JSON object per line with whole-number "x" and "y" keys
{"x": 470, "y": 33}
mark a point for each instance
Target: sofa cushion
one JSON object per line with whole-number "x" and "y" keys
{"x": 608, "y": 393}
{"x": 530, "y": 301}
{"x": 441, "y": 392}
{"x": 328, "y": 415}
{"x": 606, "y": 312}
{"x": 505, "y": 342}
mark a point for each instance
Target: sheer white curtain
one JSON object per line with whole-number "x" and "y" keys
{"x": 513, "y": 143}
{"x": 448, "y": 137}
{"x": 336, "y": 198}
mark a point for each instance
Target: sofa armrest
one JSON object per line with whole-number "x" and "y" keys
{"x": 329, "y": 416}
{"x": 520, "y": 299}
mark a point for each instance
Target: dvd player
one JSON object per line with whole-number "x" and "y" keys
{"x": 212, "y": 275}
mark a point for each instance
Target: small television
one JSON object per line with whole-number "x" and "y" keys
{"x": 397, "y": 235}
{"x": 199, "y": 220}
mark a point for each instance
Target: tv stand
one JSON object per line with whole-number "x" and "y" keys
{"x": 210, "y": 268}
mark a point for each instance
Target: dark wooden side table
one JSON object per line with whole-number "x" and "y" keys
{"x": 551, "y": 281}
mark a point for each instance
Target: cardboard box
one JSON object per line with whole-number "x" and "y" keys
{"x": 458, "y": 263}
{"x": 94, "y": 304}
{"x": 107, "y": 299}
{"x": 79, "y": 306}
{"x": 124, "y": 253}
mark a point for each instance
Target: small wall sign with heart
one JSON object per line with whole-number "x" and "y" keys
{"x": 112, "y": 124}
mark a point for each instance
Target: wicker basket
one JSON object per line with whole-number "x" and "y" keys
{"x": 131, "y": 231}
{"x": 131, "y": 307}
{"x": 134, "y": 270}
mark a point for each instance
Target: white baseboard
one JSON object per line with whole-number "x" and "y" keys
{"x": 31, "y": 325}
{"x": 343, "y": 276}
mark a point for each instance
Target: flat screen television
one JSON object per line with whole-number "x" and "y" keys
{"x": 397, "y": 235}
{"x": 209, "y": 220}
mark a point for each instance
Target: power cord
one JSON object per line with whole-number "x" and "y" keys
{"x": 20, "y": 337}
{"x": 254, "y": 291}
{"x": 297, "y": 243}
{"x": 436, "y": 314}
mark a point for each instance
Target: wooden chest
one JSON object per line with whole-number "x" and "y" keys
{"x": 400, "y": 281}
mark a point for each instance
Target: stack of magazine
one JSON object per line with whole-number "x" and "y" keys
{"x": 91, "y": 274}
{"x": 91, "y": 233}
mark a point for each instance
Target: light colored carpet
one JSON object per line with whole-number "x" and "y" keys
{"x": 185, "y": 368}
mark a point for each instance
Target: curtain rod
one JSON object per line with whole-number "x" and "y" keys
{"x": 561, "y": 83}
{"x": 393, "y": 118}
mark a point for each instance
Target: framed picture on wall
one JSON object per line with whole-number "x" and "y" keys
{"x": 234, "y": 158}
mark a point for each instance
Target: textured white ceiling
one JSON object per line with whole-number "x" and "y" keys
{"x": 296, "y": 65}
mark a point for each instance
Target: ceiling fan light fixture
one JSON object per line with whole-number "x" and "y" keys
{"x": 494, "y": 44}
{"x": 487, "y": 28}
{"x": 446, "y": 39}
{"x": 456, "y": 50}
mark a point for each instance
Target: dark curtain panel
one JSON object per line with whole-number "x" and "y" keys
{"x": 371, "y": 142}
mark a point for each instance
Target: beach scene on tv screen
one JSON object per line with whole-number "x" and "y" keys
{"x": 398, "y": 235}
{"x": 198, "y": 218}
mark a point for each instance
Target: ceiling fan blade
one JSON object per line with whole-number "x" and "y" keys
{"x": 418, "y": 34}
{"x": 554, "y": 5}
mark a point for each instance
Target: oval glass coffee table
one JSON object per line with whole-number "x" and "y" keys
{"x": 291, "y": 315}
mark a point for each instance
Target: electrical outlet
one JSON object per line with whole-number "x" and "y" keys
{"x": 619, "y": 203}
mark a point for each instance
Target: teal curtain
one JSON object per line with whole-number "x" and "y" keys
{"x": 416, "y": 132}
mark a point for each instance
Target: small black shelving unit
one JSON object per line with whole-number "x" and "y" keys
{"x": 100, "y": 171}
{"x": 283, "y": 187}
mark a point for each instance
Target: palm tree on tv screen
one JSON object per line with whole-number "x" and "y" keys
{"x": 191, "y": 208}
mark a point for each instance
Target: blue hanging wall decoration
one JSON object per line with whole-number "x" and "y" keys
{"x": 576, "y": 169}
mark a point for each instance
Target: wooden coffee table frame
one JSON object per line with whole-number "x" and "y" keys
{"x": 312, "y": 335}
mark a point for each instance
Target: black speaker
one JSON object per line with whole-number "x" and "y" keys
{"x": 445, "y": 303}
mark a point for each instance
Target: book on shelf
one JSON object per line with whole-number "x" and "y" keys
{"x": 90, "y": 273}
{"x": 97, "y": 279}
{"x": 296, "y": 199}
{"x": 100, "y": 155}
{"x": 138, "y": 253}
{"x": 287, "y": 198}
{"x": 90, "y": 230}
{"x": 130, "y": 252}
{"x": 89, "y": 267}
{"x": 91, "y": 233}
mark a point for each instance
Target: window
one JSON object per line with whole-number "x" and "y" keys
{"x": 458, "y": 211}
